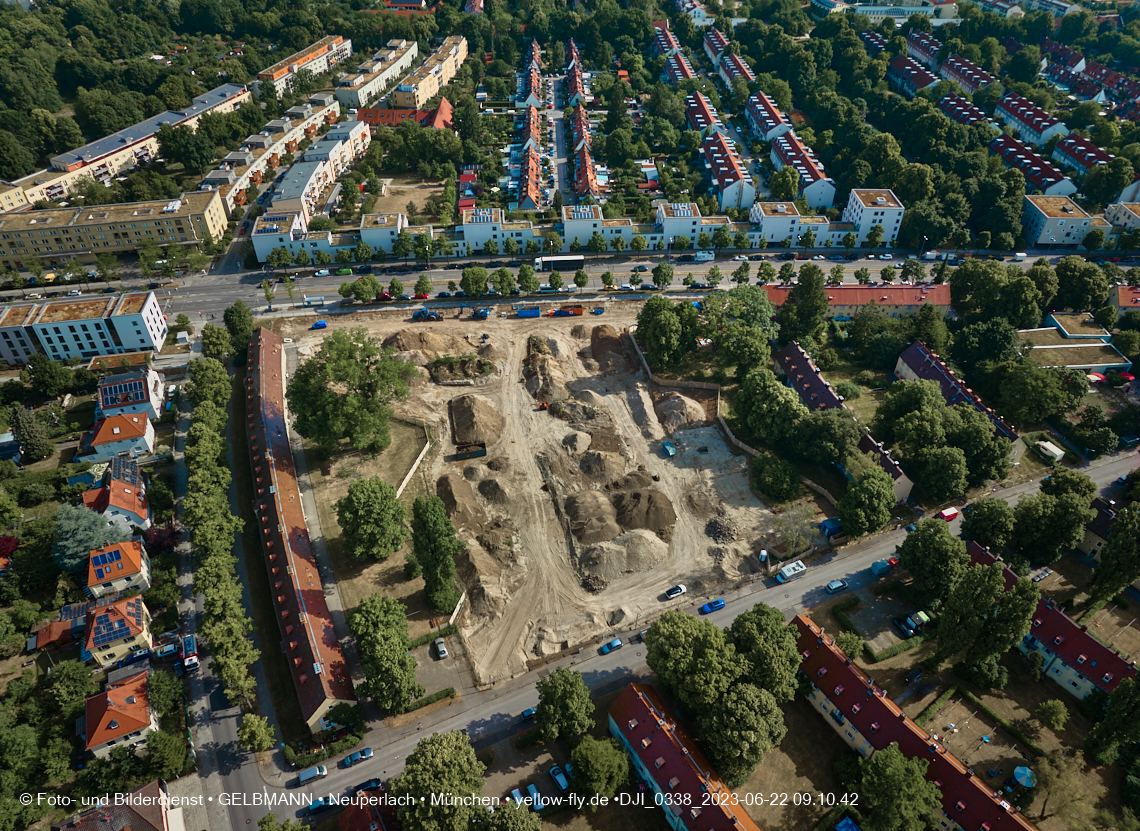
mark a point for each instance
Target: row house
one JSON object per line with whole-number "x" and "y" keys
{"x": 919, "y": 363}
{"x": 767, "y": 121}
{"x": 586, "y": 175}
{"x": 715, "y": 43}
{"x": 702, "y": 115}
{"x": 1058, "y": 53}
{"x": 530, "y": 88}
{"x": 731, "y": 181}
{"x": 580, "y": 129}
{"x": 1040, "y": 175}
{"x": 534, "y": 55}
{"x": 816, "y": 188}
{"x": 909, "y": 76}
{"x": 866, "y": 719}
{"x": 963, "y": 73}
{"x": 573, "y": 57}
{"x": 665, "y": 43}
{"x": 530, "y": 181}
{"x": 1030, "y": 122}
{"x": 358, "y": 89}
{"x": 1121, "y": 87}
{"x": 844, "y": 301}
{"x": 1129, "y": 111}
{"x": 1070, "y": 656}
{"x": 873, "y": 41}
{"x": 923, "y": 48}
{"x": 1077, "y": 152}
{"x": 576, "y": 94}
{"x": 959, "y": 109}
{"x": 678, "y": 70}
{"x": 316, "y": 59}
{"x": 733, "y": 68}
{"x": 1077, "y": 85}
{"x": 482, "y": 225}
{"x": 531, "y": 134}
{"x": 1054, "y": 220}
{"x": 868, "y": 207}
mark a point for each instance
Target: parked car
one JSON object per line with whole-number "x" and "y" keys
{"x": 370, "y": 785}
{"x": 324, "y": 272}
{"x": 740, "y": 258}
{"x": 364, "y": 269}
{"x": 835, "y": 586}
{"x": 905, "y": 631}
{"x": 109, "y": 290}
{"x": 443, "y": 295}
{"x": 559, "y": 778}
{"x": 517, "y": 796}
{"x": 441, "y": 647}
{"x": 422, "y": 296}
{"x": 529, "y": 713}
{"x": 535, "y": 796}
{"x": 949, "y": 514}
{"x": 640, "y": 268}
{"x": 612, "y": 646}
{"x": 344, "y": 271}
{"x": 713, "y": 606}
{"x": 319, "y": 805}
{"x": 676, "y": 591}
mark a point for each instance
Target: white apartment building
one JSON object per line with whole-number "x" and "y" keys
{"x": 867, "y": 208}
{"x": 1054, "y": 220}
{"x": 317, "y": 58}
{"x": 1124, "y": 215}
{"x": 99, "y": 325}
{"x": 482, "y": 225}
{"x": 387, "y": 66}
{"x": 302, "y": 188}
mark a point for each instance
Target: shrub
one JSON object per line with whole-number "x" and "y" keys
{"x": 988, "y": 674}
{"x": 36, "y": 493}
{"x": 774, "y": 478}
{"x": 827, "y": 359}
{"x": 1052, "y": 714}
{"x": 848, "y": 390}
{"x": 867, "y": 378}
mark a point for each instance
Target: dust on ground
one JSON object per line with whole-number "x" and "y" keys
{"x": 575, "y": 522}
{"x": 405, "y": 189}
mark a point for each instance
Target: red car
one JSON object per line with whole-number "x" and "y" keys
{"x": 421, "y": 297}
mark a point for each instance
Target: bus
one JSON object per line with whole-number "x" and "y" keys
{"x": 570, "y": 263}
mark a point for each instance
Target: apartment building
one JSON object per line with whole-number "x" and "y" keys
{"x": 715, "y": 43}
{"x": 777, "y": 221}
{"x": 321, "y": 677}
{"x": 260, "y": 154}
{"x": 701, "y": 115}
{"x": 304, "y": 184}
{"x": 438, "y": 118}
{"x": 16, "y": 343}
{"x": 372, "y": 78}
{"x": 482, "y": 225}
{"x": 1077, "y": 152}
{"x": 1056, "y": 8}
{"x": 1031, "y": 123}
{"x": 923, "y": 48}
{"x": 317, "y": 59}
{"x": 868, "y": 207}
{"x": 873, "y": 41}
{"x": 766, "y": 120}
{"x": 815, "y": 187}
{"x": 121, "y": 497}
{"x": 731, "y": 182}
{"x": 908, "y": 76}
{"x": 959, "y": 109}
{"x": 116, "y": 154}
{"x": 1098, "y": 530}
{"x": 1124, "y": 215}
{"x": 962, "y": 72}
{"x": 1002, "y": 8}
{"x": 1040, "y": 175}
{"x": 433, "y": 75}
{"x": 733, "y": 68}
{"x": 120, "y": 715}
{"x": 81, "y": 233}
{"x": 116, "y": 568}
{"x": 678, "y": 70}
{"x": 87, "y": 327}
{"x": 863, "y": 715}
{"x": 1054, "y": 220}
{"x": 899, "y": 12}
{"x": 1066, "y": 56}
{"x": 665, "y": 43}
{"x": 1074, "y": 84}
{"x": 127, "y": 393}
{"x": 117, "y": 630}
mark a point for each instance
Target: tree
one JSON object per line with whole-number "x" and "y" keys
{"x": 30, "y": 433}
{"x": 164, "y": 692}
{"x": 600, "y": 767}
{"x": 10, "y": 512}
{"x": 936, "y": 560}
{"x": 1064, "y": 480}
{"x": 581, "y": 278}
{"x": 772, "y": 410}
{"x": 875, "y": 236}
{"x": 804, "y": 313}
{"x": 209, "y": 381}
{"x": 1069, "y": 794}
{"x": 423, "y": 284}
{"x": 895, "y": 792}
{"x": 744, "y": 346}
{"x": 47, "y": 377}
{"x": 742, "y": 274}
{"x": 1082, "y": 286}
{"x": 239, "y": 323}
{"x": 372, "y": 517}
{"x": 828, "y": 436}
{"x": 346, "y": 391}
{"x": 663, "y": 275}
{"x": 442, "y": 763}
{"x": 474, "y": 281}
{"x": 381, "y": 632}
{"x": 943, "y": 472}
{"x": 693, "y": 658}
{"x": 849, "y": 240}
{"x": 867, "y": 504}
{"x": 193, "y": 149}
{"x": 69, "y": 685}
{"x": 739, "y": 729}
{"x": 216, "y": 342}
{"x": 504, "y": 282}
{"x": 784, "y": 184}
{"x": 714, "y": 276}
{"x": 1052, "y": 714}
{"x": 982, "y": 618}
{"x": 77, "y": 532}
{"x": 659, "y": 328}
{"x": 166, "y": 753}
{"x": 528, "y": 280}
{"x": 768, "y": 645}
{"x": 1048, "y": 526}
{"x": 509, "y": 816}
{"x": 435, "y": 548}
{"x": 565, "y": 710}
{"x": 1120, "y": 558}
{"x": 555, "y": 280}
{"x": 638, "y": 243}
{"x": 850, "y": 644}
{"x": 989, "y": 522}
{"x": 255, "y": 734}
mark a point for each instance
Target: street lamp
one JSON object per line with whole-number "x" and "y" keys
{"x": 1052, "y": 242}
{"x": 922, "y": 250}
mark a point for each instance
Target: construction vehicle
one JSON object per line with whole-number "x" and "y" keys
{"x": 599, "y": 311}
{"x": 566, "y": 311}
{"x": 480, "y": 314}
{"x": 426, "y": 314}
{"x": 470, "y": 451}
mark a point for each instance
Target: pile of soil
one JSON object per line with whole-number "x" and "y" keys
{"x": 413, "y": 356}
{"x": 458, "y": 367}
{"x": 597, "y": 517}
{"x": 641, "y": 407}
{"x": 474, "y": 419}
{"x": 432, "y": 344}
{"x": 648, "y": 509}
{"x": 589, "y": 397}
{"x": 607, "y": 349}
{"x": 542, "y": 374}
{"x": 576, "y": 442}
{"x": 677, "y": 412}
{"x": 574, "y": 411}
{"x": 592, "y": 517}
{"x": 494, "y": 492}
{"x": 601, "y": 465}
{"x": 722, "y": 529}
{"x": 632, "y": 552}
{"x": 460, "y": 501}
{"x": 492, "y": 353}
{"x": 580, "y": 332}
{"x": 499, "y": 464}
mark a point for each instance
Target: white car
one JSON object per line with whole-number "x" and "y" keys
{"x": 740, "y": 258}
{"x": 441, "y": 647}
{"x": 324, "y": 272}
{"x": 885, "y": 257}
{"x": 819, "y": 257}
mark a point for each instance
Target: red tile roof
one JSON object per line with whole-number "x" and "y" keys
{"x": 665, "y": 43}
{"x": 961, "y": 110}
{"x": 700, "y": 112}
{"x": 123, "y": 619}
{"x": 585, "y": 174}
{"x": 715, "y": 41}
{"x": 734, "y": 67}
{"x": 926, "y": 47}
{"x": 909, "y": 74}
{"x": 1082, "y": 152}
{"x": 678, "y": 69}
{"x": 440, "y": 117}
{"x": 966, "y": 799}
{"x": 929, "y": 367}
{"x": 724, "y": 162}
{"x": 673, "y": 759}
{"x": 1060, "y": 53}
{"x": 308, "y": 638}
{"x": 146, "y": 814}
{"x": 118, "y": 495}
{"x": 1040, "y": 174}
{"x": 1027, "y": 113}
{"x": 129, "y": 561}
{"x": 805, "y": 378}
{"x": 118, "y": 712}
{"x": 971, "y": 78}
{"x": 119, "y": 428}
{"x": 530, "y": 180}
{"x": 791, "y": 151}
{"x": 363, "y": 816}
{"x": 873, "y": 41}
{"x": 764, "y": 113}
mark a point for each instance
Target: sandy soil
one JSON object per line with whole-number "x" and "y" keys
{"x": 526, "y": 568}
{"x": 405, "y": 189}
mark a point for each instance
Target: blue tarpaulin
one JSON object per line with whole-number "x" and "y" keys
{"x": 846, "y": 824}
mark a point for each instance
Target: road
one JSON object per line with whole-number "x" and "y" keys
{"x": 493, "y": 715}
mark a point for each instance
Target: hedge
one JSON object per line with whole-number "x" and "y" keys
{"x": 445, "y": 632}
{"x": 840, "y": 612}
{"x": 305, "y": 760}
{"x": 887, "y": 587}
{"x": 898, "y": 649}
{"x": 447, "y": 692}
{"x": 931, "y": 711}
{"x": 1009, "y": 728}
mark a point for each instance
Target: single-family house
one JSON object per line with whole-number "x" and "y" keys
{"x": 121, "y": 715}
{"x": 131, "y": 434}
{"x": 118, "y": 567}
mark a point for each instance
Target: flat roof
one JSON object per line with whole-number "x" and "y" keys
{"x": 61, "y": 311}
{"x": 1057, "y": 207}
{"x": 194, "y": 202}
{"x": 308, "y": 52}
{"x": 1080, "y": 322}
{"x": 377, "y": 220}
{"x": 1047, "y": 336}
{"x": 869, "y": 198}
{"x": 17, "y": 315}
{"x": 1090, "y": 354}
{"x": 773, "y": 208}
{"x": 132, "y": 304}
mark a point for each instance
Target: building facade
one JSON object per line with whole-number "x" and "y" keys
{"x": 1040, "y": 176}
{"x": 116, "y": 631}
{"x": 117, "y": 568}
{"x": 768, "y": 123}
{"x": 731, "y": 183}
{"x": 1031, "y": 123}
{"x": 317, "y": 59}
{"x": 1054, "y": 220}
{"x": 816, "y": 188}
{"x": 117, "y": 434}
{"x": 433, "y": 75}
{"x": 120, "y": 715}
{"x": 372, "y": 78}
{"x": 867, "y": 208}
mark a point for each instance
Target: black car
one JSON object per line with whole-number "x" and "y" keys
{"x": 460, "y": 293}
{"x": 364, "y": 269}
{"x": 698, "y": 286}
{"x": 515, "y": 292}
{"x": 647, "y": 287}
{"x": 370, "y": 785}
{"x": 443, "y": 295}
{"x": 787, "y": 255}
{"x": 514, "y": 264}
{"x": 109, "y": 290}
{"x": 153, "y": 285}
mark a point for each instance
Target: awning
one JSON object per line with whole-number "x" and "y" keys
{"x": 1095, "y": 376}
{"x": 1128, "y": 376}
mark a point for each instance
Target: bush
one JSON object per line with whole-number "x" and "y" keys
{"x": 445, "y": 632}
{"x": 412, "y": 567}
{"x": 848, "y": 390}
{"x": 36, "y": 493}
{"x": 1052, "y": 714}
{"x": 827, "y": 359}
{"x": 988, "y": 674}
{"x": 847, "y": 769}
{"x": 774, "y": 478}
{"x": 867, "y": 378}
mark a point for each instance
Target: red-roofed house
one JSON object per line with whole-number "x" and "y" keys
{"x": 961, "y": 110}
{"x": 733, "y": 67}
{"x": 702, "y": 115}
{"x": 923, "y": 48}
{"x": 1031, "y": 122}
{"x": 530, "y": 181}
{"x": 580, "y": 128}
{"x": 148, "y": 809}
{"x": 868, "y": 721}
{"x": 665, "y": 43}
{"x": 669, "y": 761}
{"x": 117, "y": 630}
{"x": 1040, "y": 175}
{"x": 909, "y": 75}
{"x": 121, "y": 498}
{"x": 132, "y": 434}
{"x": 873, "y": 41}
{"x": 1126, "y": 297}
{"x": 715, "y": 44}
{"x": 120, "y": 715}
{"x": 1064, "y": 55}
{"x": 731, "y": 181}
{"x": 1079, "y": 153}
{"x": 919, "y": 363}
{"x": 962, "y": 72}
{"x": 531, "y": 93}
{"x": 585, "y": 175}
{"x": 116, "y": 568}
{"x": 363, "y": 815}
{"x": 815, "y": 187}
{"x": 678, "y": 70}
{"x": 767, "y": 121}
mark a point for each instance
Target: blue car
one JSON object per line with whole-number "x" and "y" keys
{"x": 713, "y": 606}
{"x": 612, "y": 646}
{"x": 319, "y": 805}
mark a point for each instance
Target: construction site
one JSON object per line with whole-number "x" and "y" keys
{"x": 581, "y": 492}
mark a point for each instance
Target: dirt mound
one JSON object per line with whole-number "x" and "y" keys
{"x": 635, "y": 551}
{"x": 474, "y": 419}
{"x": 597, "y": 517}
{"x": 492, "y": 353}
{"x": 607, "y": 348}
{"x": 473, "y": 473}
{"x": 592, "y": 517}
{"x": 558, "y": 350}
{"x": 580, "y": 331}
{"x": 574, "y": 411}
{"x": 460, "y": 502}
{"x": 641, "y": 408}
{"x": 432, "y": 344}
{"x": 576, "y": 442}
{"x": 459, "y": 367}
{"x": 543, "y": 376}
{"x": 589, "y": 397}
{"x": 601, "y": 465}
{"x": 648, "y": 509}
{"x": 679, "y": 413}
{"x": 494, "y": 492}
{"x": 499, "y": 464}
{"x": 721, "y": 529}
{"x": 634, "y": 480}
{"x": 414, "y": 356}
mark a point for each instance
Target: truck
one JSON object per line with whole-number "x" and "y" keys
{"x": 312, "y": 774}
{"x": 312, "y": 301}
{"x": 704, "y": 257}
{"x": 480, "y": 314}
{"x": 190, "y": 662}
{"x": 1019, "y": 257}
{"x": 426, "y": 314}
{"x": 791, "y": 571}
{"x": 470, "y": 451}
{"x": 529, "y": 311}
{"x": 930, "y": 256}
{"x": 566, "y": 311}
